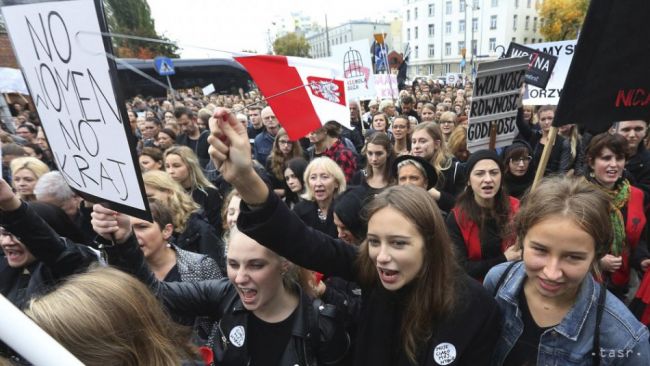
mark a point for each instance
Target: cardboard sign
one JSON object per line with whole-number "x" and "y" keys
{"x": 540, "y": 65}
{"x": 495, "y": 101}
{"x": 73, "y": 85}
{"x": 209, "y": 89}
{"x": 386, "y": 86}
{"x": 608, "y": 80}
{"x": 550, "y": 95}
{"x": 354, "y": 57}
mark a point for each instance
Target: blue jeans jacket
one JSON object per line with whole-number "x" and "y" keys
{"x": 623, "y": 339}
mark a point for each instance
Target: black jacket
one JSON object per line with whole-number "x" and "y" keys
{"x": 219, "y": 300}
{"x": 638, "y": 169}
{"x": 308, "y": 213}
{"x": 56, "y": 257}
{"x": 471, "y": 330}
{"x": 200, "y": 237}
{"x": 201, "y": 146}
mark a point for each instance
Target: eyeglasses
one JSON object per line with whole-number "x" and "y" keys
{"x": 285, "y": 142}
{"x": 446, "y": 122}
{"x": 522, "y": 160}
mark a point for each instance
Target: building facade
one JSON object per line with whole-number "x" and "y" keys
{"x": 348, "y": 32}
{"x": 439, "y": 32}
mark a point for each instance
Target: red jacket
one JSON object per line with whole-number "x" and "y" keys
{"x": 634, "y": 223}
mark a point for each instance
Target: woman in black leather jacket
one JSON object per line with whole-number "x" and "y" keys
{"x": 263, "y": 316}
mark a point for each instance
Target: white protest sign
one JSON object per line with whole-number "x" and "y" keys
{"x": 386, "y": 86}
{"x": 551, "y": 94}
{"x": 209, "y": 89}
{"x": 62, "y": 55}
{"x": 354, "y": 57}
{"x": 495, "y": 101}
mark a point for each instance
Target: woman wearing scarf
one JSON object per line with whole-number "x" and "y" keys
{"x": 606, "y": 157}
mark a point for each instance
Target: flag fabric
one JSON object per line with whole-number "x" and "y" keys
{"x": 304, "y": 94}
{"x": 608, "y": 80}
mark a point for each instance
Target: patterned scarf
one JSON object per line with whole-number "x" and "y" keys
{"x": 620, "y": 195}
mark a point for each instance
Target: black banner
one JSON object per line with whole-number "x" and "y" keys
{"x": 540, "y": 66}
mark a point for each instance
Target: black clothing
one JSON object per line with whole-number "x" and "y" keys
{"x": 473, "y": 327}
{"x": 315, "y": 337}
{"x": 200, "y": 237}
{"x": 253, "y": 132}
{"x": 210, "y": 200}
{"x": 199, "y": 146}
{"x": 308, "y": 213}
{"x": 267, "y": 340}
{"x": 451, "y": 184}
{"x": 517, "y": 186}
{"x": 558, "y": 152}
{"x": 490, "y": 247}
{"x": 173, "y": 275}
{"x": 525, "y": 351}
{"x": 638, "y": 167}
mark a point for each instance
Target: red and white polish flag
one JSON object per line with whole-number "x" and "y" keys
{"x": 300, "y": 110}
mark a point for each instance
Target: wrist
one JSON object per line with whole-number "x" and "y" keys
{"x": 11, "y": 204}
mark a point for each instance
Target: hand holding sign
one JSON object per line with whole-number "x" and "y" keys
{"x": 111, "y": 225}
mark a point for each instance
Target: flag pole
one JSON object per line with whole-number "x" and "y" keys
{"x": 552, "y": 134}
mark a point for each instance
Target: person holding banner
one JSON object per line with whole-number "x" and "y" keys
{"x": 554, "y": 310}
{"x": 429, "y": 143}
{"x": 538, "y": 139}
{"x": 418, "y": 307}
{"x": 481, "y": 223}
{"x": 606, "y": 157}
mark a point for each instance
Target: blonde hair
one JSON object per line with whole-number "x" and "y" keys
{"x": 191, "y": 161}
{"x": 330, "y": 167}
{"x": 442, "y": 158}
{"x": 179, "y": 202}
{"x": 32, "y": 164}
{"x": 106, "y": 317}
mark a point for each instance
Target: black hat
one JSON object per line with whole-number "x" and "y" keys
{"x": 432, "y": 176}
{"x": 482, "y": 155}
{"x": 348, "y": 207}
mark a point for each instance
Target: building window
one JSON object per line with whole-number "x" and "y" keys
{"x": 527, "y": 22}
{"x": 461, "y": 26}
{"x": 408, "y": 34}
{"x": 432, "y": 50}
{"x": 525, "y": 40}
{"x": 432, "y": 30}
{"x": 447, "y": 49}
{"x": 532, "y": 40}
{"x": 475, "y": 25}
{"x": 493, "y": 44}
{"x": 432, "y": 10}
{"x": 529, "y": 1}
{"x": 514, "y": 39}
{"x": 448, "y": 7}
{"x": 417, "y": 51}
{"x": 448, "y": 27}
{"x": 461, "y": 46}
{"x": 493, "y": 22}
{"x": 475, "y": 4}
{"x": 416, "y": 32}
{"x": 535, "y": 24}
{"x": 461, "y": 6}
{"x": 495, "y": 3}
{"x": 514, "y": 22}
{"x": 408, "y": 15}
{"x": 415, "y": 14}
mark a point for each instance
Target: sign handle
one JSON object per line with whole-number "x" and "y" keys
{"x": 493, "y": 136}
{"x": 552, "y": 134}
{"x": 169, "y": 82}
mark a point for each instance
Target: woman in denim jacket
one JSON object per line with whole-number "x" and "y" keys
{"x": 551, "y": 302}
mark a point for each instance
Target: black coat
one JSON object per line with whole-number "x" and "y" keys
{"x": 472, "y": 329}
{"x": 219, "y": 300}
{"x": 200, "y": 237}
{"x": 638, "y": 169}
{"x": 308, "y": 213}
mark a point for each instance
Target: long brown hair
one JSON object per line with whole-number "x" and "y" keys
{"x": 434, "y": 291}
{"x": 380, "y": 139}
{"x": 278, "y": 160}
{"x": 107, "y": 317}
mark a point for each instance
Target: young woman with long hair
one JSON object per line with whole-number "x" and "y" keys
{"x": 183, "y": 166}
{"x": 282, "y": 151}
{"x": 480, "y": 225}
{"x": 428, "y": 142}
{"x": 418, "y": 306}
{"x": 379, "y": 157}
{"x": 555, "y": 312}
{"x": 294, "y": 177}
{"x": 572, "y": 144}
{"x": 401, "y": 129}
{"x": 519, "y": 168}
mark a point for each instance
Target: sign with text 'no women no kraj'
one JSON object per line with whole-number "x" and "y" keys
{"x": 62, "y": 55}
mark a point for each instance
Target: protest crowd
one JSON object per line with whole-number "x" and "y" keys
{"x": 385, "y": 244}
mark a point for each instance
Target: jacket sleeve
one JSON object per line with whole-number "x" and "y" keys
{"x": 524, "y": 128}
{"x": 60, "y": 255}
{"x": 277, "y": 228}
{"x": 334, "y": 339}
{"x": 181, "y": 299}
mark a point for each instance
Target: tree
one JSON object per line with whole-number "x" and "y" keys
{"x": 133, "y": 17}
{"x": 562, "y": 18}
{"x": 291, "y": 44}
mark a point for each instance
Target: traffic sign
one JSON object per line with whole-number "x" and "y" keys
{"x": 164, "y": 66}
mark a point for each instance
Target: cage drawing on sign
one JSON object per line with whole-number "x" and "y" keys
{"x": 353, "y": 66}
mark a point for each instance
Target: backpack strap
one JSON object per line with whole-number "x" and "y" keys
{"x": 599, "y": 316}
{"x": 503, "y": 277}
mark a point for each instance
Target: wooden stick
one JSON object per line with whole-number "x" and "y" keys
{"x": 493, "y": 136}
{"x": 552, "y": 134}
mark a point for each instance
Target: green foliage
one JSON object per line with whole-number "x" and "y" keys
{"x": 291, "y": 44}
{"x": 133, "y": 17}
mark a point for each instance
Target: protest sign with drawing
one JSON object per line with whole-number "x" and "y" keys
{"x": 550, "y": 95}
{"x": 540, "y": 66}
{"x": 74, "y": 87}
{"x": 356, "y": 61}
{"x": 495, "y": 101}
{"x": 386, "y": 86}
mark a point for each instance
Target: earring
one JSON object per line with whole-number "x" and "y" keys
{"x": 168, "y": 245}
